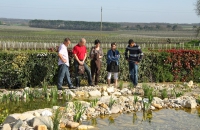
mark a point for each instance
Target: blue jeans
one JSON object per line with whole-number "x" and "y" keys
{"x": 133, "y": 70}
{"x": 87, "y": 70}
{"x": 62, "y": 73}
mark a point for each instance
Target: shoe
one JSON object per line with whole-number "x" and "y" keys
{"x": 72, "y": 87}
{"x": 60, "y": 88}
{"x": 91, "y": 84}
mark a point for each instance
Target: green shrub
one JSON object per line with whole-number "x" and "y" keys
{"x": 33, "y": 69}
{"x": 164, "y": 94}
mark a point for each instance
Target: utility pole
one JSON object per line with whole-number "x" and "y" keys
{"x": 101, "y": 19}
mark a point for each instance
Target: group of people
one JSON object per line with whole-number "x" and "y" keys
{"x": 133, "y": 55}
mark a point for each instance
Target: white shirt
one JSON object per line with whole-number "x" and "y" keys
{"x": 63, "y": 51}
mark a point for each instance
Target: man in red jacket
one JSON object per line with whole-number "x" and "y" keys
{"x": 80, "y": 55}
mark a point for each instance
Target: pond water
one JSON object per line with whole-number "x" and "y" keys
{"x": 164, "y": 119}
{"x": 161, "y": 120}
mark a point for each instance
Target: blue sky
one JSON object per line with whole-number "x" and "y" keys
{"x": 167, "y": 11}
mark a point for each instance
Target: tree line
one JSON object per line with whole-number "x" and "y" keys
{"x": 74, "y": 25}
{"x": 168, "y": 27}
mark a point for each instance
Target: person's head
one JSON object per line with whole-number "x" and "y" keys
{"x": 131, "y": 43}
{"x": 82, "y": 42}
{"x": 97, "y": 43}
{"x": 113, "y": 46}
{"x": 66, "y": 41}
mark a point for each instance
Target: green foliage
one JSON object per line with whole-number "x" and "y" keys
{"x": 164, "y": 94}
{"x": 177, "y": 94}
{"x": 3, "y": 114}
{"x": 135, "y": 99}
{"x": 148, "y": 91}
{"x": 121, "y": 83}
{"x": 111, "y": 102}
{"x": 21, "y": 69}
{"x": 93, "y": 103}
{"x": 56, "y": 119}
{"x": 79, "y": 111}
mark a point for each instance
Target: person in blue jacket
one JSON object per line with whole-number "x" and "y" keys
{"x": 113, "y": 57}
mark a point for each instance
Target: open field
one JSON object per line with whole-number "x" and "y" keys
{"x": 23, "y": 37}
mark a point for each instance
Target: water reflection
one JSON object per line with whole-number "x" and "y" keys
{"x": 163, "y": 119}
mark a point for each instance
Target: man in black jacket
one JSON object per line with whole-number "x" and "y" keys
{"x": 134, "y": 57}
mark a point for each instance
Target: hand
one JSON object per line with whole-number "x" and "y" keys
{"x": 81, "y": 62}
{"x": 136, "y": 62}
{"x": 64, "y": 60}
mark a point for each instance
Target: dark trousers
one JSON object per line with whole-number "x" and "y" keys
{"x": 87, "y": 70}
{"x": 95, "y": 71}
{"x": 63, "y": 72}
{"x": 133, "y": 70}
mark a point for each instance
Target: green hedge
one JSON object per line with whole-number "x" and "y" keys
{"x": 21, "y": 69}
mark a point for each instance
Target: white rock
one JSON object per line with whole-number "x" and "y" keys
{"x": 116, "y": 94}
{"x": 157, "y": 100}
{"x": 106, "y": 99}
{"x": 46, "y": 113}
{"x": 115, "y": 109}
{"x": 71, "y": 124}
{"x": 36, "y": 114}
{"x": 104, "y": 93}
{"x": 95, "y": 93}
{"x": 189, "y": 103}
{"x": 69, "y": 92}
{"x": 190, "y": 84}
{"x": 14, "y": 117}
{"x": 55, "y": 107}
{"x": 85, "y": 127}
{"x": 111, "y": 89}
{"x": 6, "y": 127}
{"x": 42, "y": 120}
{"x": 17, "y": 124}
{"x": 27, "y": 89}
{"x": 124, "y": 91}
{"x": 153, "y": 108}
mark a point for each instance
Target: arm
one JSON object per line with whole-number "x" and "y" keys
{"x": 92, "y": 53}
{"x": 61, "y": 58}
{"x": 84, "y": 58}
{"x": 101, "y": 54}
{"x": 76, "y": 58}
{"x": 141, "y": 54}
{"x": 126, "y": 53}
{"x": 111, "y": 57}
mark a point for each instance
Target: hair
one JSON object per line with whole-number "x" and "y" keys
{"x": 130, "y": 41}
{"x": 113, "y": 43}
{"x": 96, "y": 42}
{"x": 66, "y": 40}
{"x": 82, "y": 40}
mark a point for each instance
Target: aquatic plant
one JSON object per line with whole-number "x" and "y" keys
{"x": 79, "y": 111}
{"x": 56, "y": 119}
{"x": 147, "y": 90}
{"x": 135, "y": 99}
{"x": 121, "y": 83}
{"x": 164, "y": 94}
{"x": 177, "y": 94}
{"x": 111, "y": 102}
{"x": 130, "y": 85}
{"x": 93, "y": 103}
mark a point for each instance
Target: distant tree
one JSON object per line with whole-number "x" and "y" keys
{"x": 157, "y": 27}
{"x": 146, "y": 27}
{"x": 169, "y": 27}
{"x": 194, "y": 27}
{"x": 138, "y": 27}
{"x": 198, "y": 13}
{"x": 198, "y": 7}
{"x": 174, "y": 27}
{"x": 1, "y": 23}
